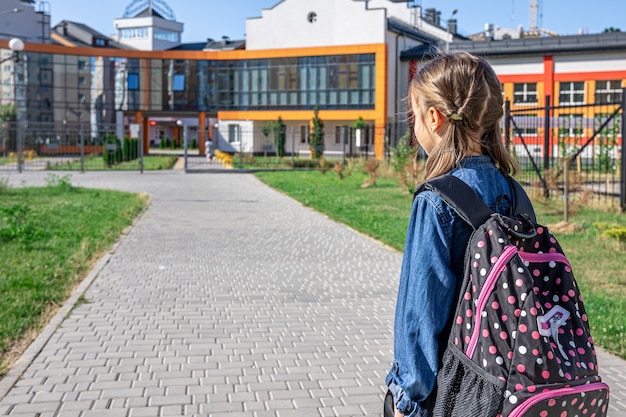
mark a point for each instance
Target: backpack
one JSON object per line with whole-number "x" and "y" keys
{"x": 519, "y": 341}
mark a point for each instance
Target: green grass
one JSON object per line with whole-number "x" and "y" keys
{"x": 150, "y": 163}
{"x": 382, "y": 212}
{"x": 49, "y": 238}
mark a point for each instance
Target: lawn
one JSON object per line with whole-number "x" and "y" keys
{"x": 49, "y": 239}
{"x": 382, "y": 212}
{"x": 150, "y": 163}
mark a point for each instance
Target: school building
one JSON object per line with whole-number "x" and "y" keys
{"x": 350, "y": 59}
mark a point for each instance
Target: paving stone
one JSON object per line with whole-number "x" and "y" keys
{"x": 229, "y": 299}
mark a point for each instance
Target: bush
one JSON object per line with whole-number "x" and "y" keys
{"x": 16, "y": 224}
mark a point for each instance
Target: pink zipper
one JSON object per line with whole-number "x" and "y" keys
{"x": 544, "y": 257}
{"x": 497, "y": 269}
{"x": 525, "y": 406}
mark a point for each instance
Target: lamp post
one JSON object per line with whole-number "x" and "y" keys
{"x": 448, "y": 30}
{"x": 17, "y": 46}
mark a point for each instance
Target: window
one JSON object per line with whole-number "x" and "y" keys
{"x": 46, "y": 76}
{"x": 571, "y": 125}
{"x": 572, "y": 92}
{"x": 234, "y": 133}
{"x": 134, "y": 33}
{"x": 525, "y": 93}
{"x": 82, "y": 65}
{"x": 303, "y": 133}
{"x": 133, "y": 81}
{"x": 179, "y": 82}
{"x": 337, "y": 135}
{"x": 609, "y": 91}
{"x": 99, "y": 42}
{"x": 166, "y": 35}
{"x": 81, "y": 80}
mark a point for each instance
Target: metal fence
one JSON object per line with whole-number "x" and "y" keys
{"x": 578, "y": 143}
{"x": 66, "y": 146}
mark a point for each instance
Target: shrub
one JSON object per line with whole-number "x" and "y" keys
{"x": 280, "y": 136}
{"x": 16, "y": 224}
{"x": 316, "y": 140}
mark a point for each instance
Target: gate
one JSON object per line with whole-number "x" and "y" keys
{"x": 585, "y": 140}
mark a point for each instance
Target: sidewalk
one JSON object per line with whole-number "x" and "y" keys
{"x": 225, "y": 298}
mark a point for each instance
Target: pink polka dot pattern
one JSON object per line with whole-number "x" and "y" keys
{"x": 509, "y": 324}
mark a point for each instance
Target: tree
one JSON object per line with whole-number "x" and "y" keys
{"x": 266, "y": 130}
{"x": 280, "y": 136}
{"x": 317, "y": 135}
{"x": 8, "y": 113}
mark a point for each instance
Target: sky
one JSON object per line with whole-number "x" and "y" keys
{"x": 213, "y": 19}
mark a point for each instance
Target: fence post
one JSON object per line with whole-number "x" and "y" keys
{"x": 82, "y": 149}
{"x": 20, "y": 145}
{"x": 344, "y": 140}
{"x": 546, "y": 136}
{"x": 507, "y": 125}
{"x": 566, "y": 166}
{"x": 623, "y": 167}
{"x": 293, "y": 147}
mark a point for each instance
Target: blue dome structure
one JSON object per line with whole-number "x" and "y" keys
{"x": 158, "y": 7}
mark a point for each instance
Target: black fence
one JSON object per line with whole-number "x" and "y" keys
{"x": 66, "y": 146}
{"x": 581, "y": 144}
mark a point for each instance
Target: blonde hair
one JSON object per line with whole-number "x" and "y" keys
{"x": 467, "y": 92}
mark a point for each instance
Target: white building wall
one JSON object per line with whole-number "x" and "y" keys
{"x": 338, "y": 23}
{"x": 589, "y": 63}
{"x": 147, "y": 43}
{"x": 518, "y": 66}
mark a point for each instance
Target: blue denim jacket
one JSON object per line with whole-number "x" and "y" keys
{"x": 432, "y": 271}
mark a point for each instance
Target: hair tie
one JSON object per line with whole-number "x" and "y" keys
{"x": 455, "y": 117}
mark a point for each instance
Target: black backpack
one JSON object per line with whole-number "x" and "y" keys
{"x": 519, "y": 342}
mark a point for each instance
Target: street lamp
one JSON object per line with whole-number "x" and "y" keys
{"x": 17, "y": 46}
{"x": 448, "y": 30}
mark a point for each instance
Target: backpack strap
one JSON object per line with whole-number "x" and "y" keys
{"x": 522, "y": 204}
{"x": 468, "y": 205}
{"x": 460, "y": 197}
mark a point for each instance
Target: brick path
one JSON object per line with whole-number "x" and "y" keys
{"x": 226, "y": 298}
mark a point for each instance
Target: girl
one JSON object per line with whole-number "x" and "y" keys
{"x": 456, "y": 100}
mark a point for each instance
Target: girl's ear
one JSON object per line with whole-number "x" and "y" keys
{"x": 434, "y": 119}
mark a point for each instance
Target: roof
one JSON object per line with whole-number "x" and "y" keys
{"x": 224, "y": 44}
{"x": 553, "y": 45}
{"x": 149, "y": 12}
{"x": 76, "y": 34}
{"x": 398, "y": 26}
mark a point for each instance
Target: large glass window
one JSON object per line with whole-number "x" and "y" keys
{"x": 609, "y": 91}
{"x": 572, "y": 92}
{"x": 134, "y": 33}
{"x": 166, "y": 35}
{"x": 525, "y": 93}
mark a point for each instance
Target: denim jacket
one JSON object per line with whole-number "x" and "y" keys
{"x": 431, "y": 274}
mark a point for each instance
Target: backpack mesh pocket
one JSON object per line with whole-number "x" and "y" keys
{"x": 465, "y": 390}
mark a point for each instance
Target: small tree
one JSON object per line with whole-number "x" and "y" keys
{"x": 317, "y": 135}
{"x": 266, "y": 130}
{"x": 279, "y": 136}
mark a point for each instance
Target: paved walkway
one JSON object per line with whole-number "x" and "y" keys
{"x": 226, "y": 298}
